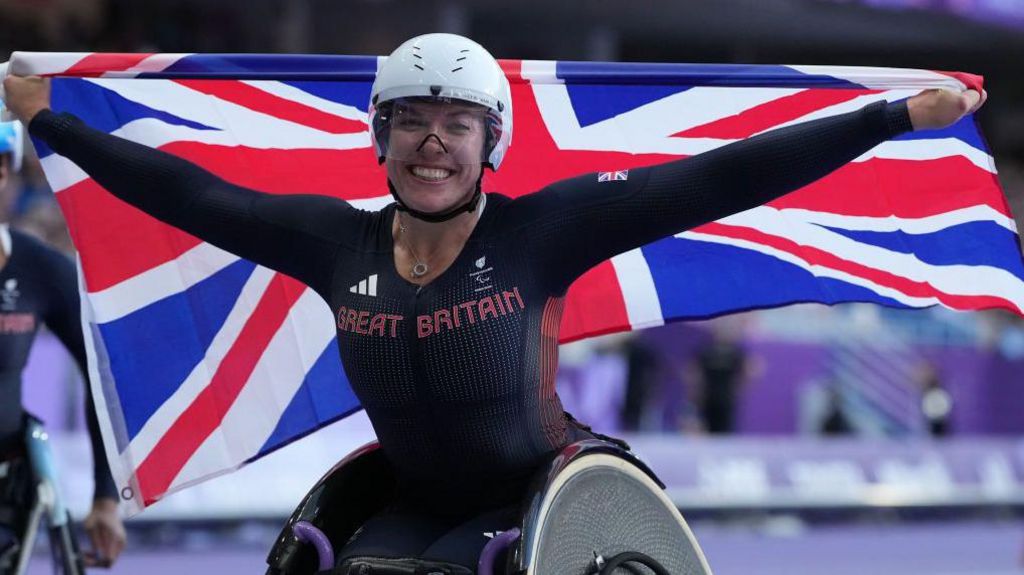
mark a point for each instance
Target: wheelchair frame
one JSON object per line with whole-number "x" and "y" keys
{"x": 47, "y": 507}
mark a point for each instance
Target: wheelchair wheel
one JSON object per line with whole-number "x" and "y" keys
{"x": 601, "y": 506}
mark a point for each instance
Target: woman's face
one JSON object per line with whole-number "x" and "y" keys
{"x": 435, "y": 152}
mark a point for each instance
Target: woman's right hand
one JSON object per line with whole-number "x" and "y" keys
{"x": 26, "y": 96}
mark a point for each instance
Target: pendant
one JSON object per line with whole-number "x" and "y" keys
{"x": 419, "y": 270}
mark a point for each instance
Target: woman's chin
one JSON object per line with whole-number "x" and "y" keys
{"x": 432, "y": 201}
{"x": 430, "y": 205}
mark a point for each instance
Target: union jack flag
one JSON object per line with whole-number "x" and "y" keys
{"x": 616, "y": 176}
{"x": 201, "y": 361}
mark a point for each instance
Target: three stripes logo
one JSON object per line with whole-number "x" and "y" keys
{"x": 367, "y": 286}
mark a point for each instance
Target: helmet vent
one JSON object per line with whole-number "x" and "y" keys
{"x": 457, "y": 69}
{"x": 418, "y": 66}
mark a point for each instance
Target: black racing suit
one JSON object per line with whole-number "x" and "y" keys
{"x": 458, "y": 376}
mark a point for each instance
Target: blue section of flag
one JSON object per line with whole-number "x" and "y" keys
{"x": 643, "y": 74}
{"x": 969, "y": 244}
{"x": 698, "y": 280}
{"x": 599, "y": 90}
{"x": 154, "y": 349}
{"x": 355, "y": 94}
{"x": 271, "y": 67}
{"x": 966, "y": 130}
{"x": 323, "y": 397}
{"x": 103, "y": 109}
{"x": 594, "y": 104}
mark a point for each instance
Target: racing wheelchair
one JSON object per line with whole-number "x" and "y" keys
{"x": 594, "y": 509}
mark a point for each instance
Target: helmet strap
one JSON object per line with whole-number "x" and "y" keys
{"x": 436, "y": 217}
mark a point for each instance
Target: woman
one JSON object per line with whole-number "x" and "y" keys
{"x": 448, "y": 301}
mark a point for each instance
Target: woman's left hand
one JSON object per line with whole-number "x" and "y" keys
{"x": 106, "y": 533}
{"x": 934, "y": 109}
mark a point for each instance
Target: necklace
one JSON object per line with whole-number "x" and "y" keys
{"x": 421, "y": 267}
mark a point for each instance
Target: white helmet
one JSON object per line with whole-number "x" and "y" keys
{"x": 450, "y": 67}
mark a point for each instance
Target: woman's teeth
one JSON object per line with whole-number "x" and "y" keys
{"x": 432, "y": 174}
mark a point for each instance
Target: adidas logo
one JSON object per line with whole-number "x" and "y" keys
{"x": 366, "y": 287}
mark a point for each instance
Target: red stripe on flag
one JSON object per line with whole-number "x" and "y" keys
{"x": 95, "y": 65}
{"x": 972, "y": 81}
{"x": 258, "y": 100}
{"x": 513, "y": 70}
{"x": 594, "y": 305}
{"x": 815, "y": 256}
{"x": 207, "y": 411}
{"x": 116, "y": 240}
{"x": 771, "y": 114}
{"x": 348, "y": 174}
{"x": 904, "y": 188}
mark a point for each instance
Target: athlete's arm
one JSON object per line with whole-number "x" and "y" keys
{"x": 575, "y": 224}
{"x": 63, "y": 319}
{"x": 103, "y": 524}
{"x": 294, "y": 234}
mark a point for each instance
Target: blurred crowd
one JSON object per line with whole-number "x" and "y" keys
{"x": 849, "y": 370}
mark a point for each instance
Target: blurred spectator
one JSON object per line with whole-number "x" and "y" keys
{"x": 936, "y": 402}
{"x": 834, "y": 420}
{"x": 49, "y": 24}
{"x": 641, "y": 368}
{"x": 720, "y": 370}
{"x": 42, "y": 218}
{"x": 593, "y": 391}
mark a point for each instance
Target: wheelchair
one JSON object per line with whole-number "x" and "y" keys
{"x": 30, "y": 500}
{"x": 594, "y": 509}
